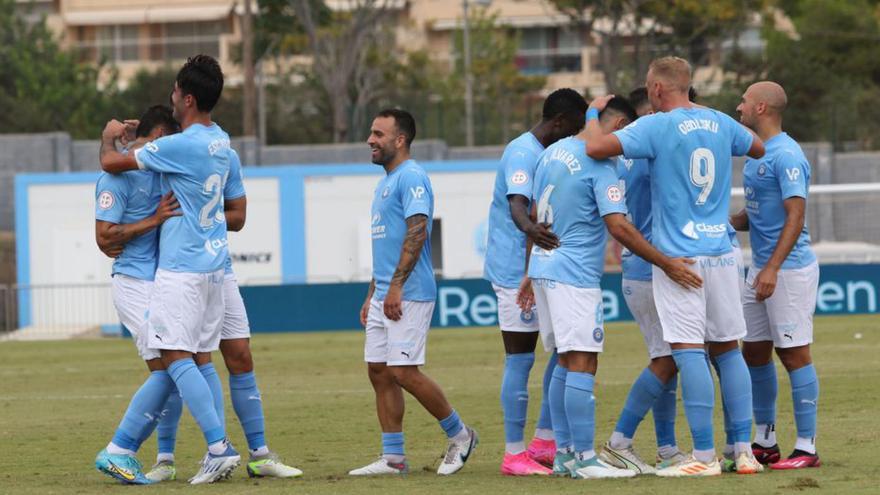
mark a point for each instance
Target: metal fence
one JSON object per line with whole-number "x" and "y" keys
{"x": 57, "y": 310}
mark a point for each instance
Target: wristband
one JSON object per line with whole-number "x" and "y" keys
{"x": 592, "y": 114}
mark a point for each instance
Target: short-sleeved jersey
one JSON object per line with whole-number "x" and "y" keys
{"x": 506, "y": 248}
{"x": 689, "y": 151}
{"x": 195, "y": 165}
{"x": 635, "y": 181}
{"x": 403, "y": 193}
{"x": 129, "y": 198}
{"x": 782, "y": 173}
{"x": 234, "y": 189}
{"x": 574, "y": 192}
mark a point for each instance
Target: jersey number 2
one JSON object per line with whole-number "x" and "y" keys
{"x": 213, "y": 186}
{"x": 703, "y": 172}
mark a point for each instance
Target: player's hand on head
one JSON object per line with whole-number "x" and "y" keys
{"x": 130, "y": 133}
{"x": 765, "y": 283}
{"x": 113, "y": 129}
{"x": 525, "y": 296}
{"x": 543, "y": 237}
{"x": 393, "y": 305}
{"x": 678, "y": 269}
{"x": 600, "y": 102}
{"x": 168, "y": 207}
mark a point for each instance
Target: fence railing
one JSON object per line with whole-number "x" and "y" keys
{"x": 62, "y": 309}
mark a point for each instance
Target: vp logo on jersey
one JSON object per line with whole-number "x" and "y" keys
{"x": 793, "y": 174}
{"x": 105, "y": 200}
{"x": 417, "y": 192}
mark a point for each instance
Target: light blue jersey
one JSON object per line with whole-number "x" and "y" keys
{"x": 234, "y": 189}
{"x": 195, "y": 165}
{"x": 635, "y": 180}
{"x": 731, "y": 233}
{"x": 574, "y": 192}
{"x": 782, "y": 173}
{"x": 405, "y": 192}
{"x": 689, "y": 150}
{"x": 506, "y": 250}
{"x": 129, "y": 198}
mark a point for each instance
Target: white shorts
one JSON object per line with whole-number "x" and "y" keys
{"x": 186, "y": 311}
{"x": 572, "y": 316}
{"x": 639, "y": 296}
{"x": 235, "y": 319}
{"x": 786, "y": 317}
{"x": 738, "y": 254}
{"x": 401, "y": 342}
{"x": 510, "y": 317}
{"x": 712, "y": 313}
{"x": 131, "y": 297}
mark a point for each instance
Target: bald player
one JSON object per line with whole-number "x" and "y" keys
{"x": 689, "y": 148}
{"x": 780, "y": 293}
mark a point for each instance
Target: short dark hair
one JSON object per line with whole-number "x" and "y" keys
{"x": 565, "y": 101}
{"x": 155, "y": 116}
{"x": 692, "y": 94}
{"x": 620, "y": 105}
{"x": 404, "y": 121}
{"x": 638, "y": 97}
{"x": 202, "y": 78}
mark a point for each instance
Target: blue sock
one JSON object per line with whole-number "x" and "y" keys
{"x": 764, "y": 391}
{"x": 392, "y": 443}
{"x": 248, "y": 407}
{"x": 736, "y": 391}
{"x": 805, "y": 395}
{"x": 451, "y": 424}
{"x": 729, "y": 433}
{"x": 198, "y": 398}
{"x": 561, "y": 432}
{"x": 664, "y": 414}
{"x": 167, "y": 429}
{"x": 642, "y": 395}
{"x": 698, "y": 394}
{"x": 515, "y": 394}
{"x": 210, "y": 373}
{"x": 580, "y": 408}
{"x": 544, "y": 419}
{"x": 143, "y": 411}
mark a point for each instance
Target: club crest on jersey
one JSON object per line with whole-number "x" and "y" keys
{"x": 519, "y": 177}
{"x": 386, "y": 192}
{"x": 105, "y": 200}
{"x": 762, "y": 170}
{"x": 614, "y": 194}
{"x": 598, "y": 334}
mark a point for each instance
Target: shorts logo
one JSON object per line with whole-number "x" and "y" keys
{"x": 386, "y": 192}
{"x": 762, "y": 170}
{"x": 527, "y": 316}
{"x": 519, "y": 177}
{"x": 628, "y": 290}
{"x": 105, "y": 200}
{"x": 614, "y": 194}
{"x": 598, "y": 335}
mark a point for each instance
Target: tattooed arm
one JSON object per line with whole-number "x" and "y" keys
{"x": 112, "y": 237}
{"x": 416, "y": 235}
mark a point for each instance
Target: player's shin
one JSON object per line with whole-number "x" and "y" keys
{"x": 580, "y": 409}
{"x": 515, "y": 399}
{"x": 142, "y": 414}
{"x": 698, "y": 395}
{"x": 213, "y": 379}
{"x": 737, "y": 393}
{"x": 561, "y": 430}
{"x": 663, "y": 411}
{"x": 644, "y": 392}
{"x": 200, "y": 401}
{"x": 764, "y": 390}
{"x": 805, "y": 396}
{"x": 248, "y": 405}
{"x": 166, "y": 432}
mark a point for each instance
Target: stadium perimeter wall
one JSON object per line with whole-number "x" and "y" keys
{"x": 306, "y": 224}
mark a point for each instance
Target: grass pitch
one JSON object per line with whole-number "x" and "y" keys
{"x": 60, "y": 402}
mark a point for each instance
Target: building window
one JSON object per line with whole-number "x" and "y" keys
{"x": 171, "y": 41}
{"x": 546, "y": 50}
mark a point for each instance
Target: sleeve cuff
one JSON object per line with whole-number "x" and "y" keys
{"x": 137, "y": 158}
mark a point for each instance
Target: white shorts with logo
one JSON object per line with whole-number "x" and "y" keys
{"x": 186, "y": 311}
{"x": 401, "y": 342}
{"x": 131, "y": 297}
{"x": 712, "y": 313}
{"x": 639, "y": 296}
{"x": 510, "y": 317}
{"x": 786, "y": 317}
{"x": 235, "y": 318}
{"x": 572, "y": 317}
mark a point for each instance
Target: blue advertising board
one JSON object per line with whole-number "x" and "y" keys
{"x": 843, "y": 289}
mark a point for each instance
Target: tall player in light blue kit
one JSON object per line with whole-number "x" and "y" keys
{"x": 509, "y": 223}
{"x": 689, "y": 150}
{"x": 186, "y": 307}
{"x": 579, "y": 198}
{"x": 400, "y": 301}
{"x": 655, "y": 388}
{"x": 780, "y": 295}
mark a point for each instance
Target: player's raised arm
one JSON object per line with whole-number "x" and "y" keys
{"x": 676, "y": 268}
{"x": 112, "y": 161}
{"x": 599, "y": 144}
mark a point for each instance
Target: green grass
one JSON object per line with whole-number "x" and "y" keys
{"x": 60, "y": 401}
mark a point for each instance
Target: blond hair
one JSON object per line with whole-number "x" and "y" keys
{"x": 674, "y": 71}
